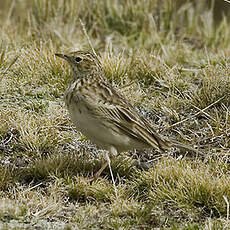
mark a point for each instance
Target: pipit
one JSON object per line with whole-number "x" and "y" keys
{"x": 104, "y": 116}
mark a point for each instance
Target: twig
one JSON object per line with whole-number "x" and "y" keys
{"x": 227, "y": 203}
{"x": 31, "y": 188}
{"x": 10, "y": 65}
{"x": 111, "y": 172}
{"x": 87, "y": 36}
{"x": 194, "y": 115}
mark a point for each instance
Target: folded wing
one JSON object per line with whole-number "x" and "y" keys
{"x": 106, "y": 103}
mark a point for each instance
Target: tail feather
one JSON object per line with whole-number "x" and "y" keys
{"x": 186, "y": 148}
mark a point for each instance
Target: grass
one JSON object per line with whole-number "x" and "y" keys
{"x": 170, "y": 59}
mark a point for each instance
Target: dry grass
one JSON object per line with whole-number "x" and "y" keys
{"x": 171, "y": 61}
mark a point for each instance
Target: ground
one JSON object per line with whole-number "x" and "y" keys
{"x": 170, "y": 61}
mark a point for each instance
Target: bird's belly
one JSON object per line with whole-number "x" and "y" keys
{"x": 101, "y": 133}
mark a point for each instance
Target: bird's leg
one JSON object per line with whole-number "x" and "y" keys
{"x": 99, "y": 172}
{"x": 113, "y": 152}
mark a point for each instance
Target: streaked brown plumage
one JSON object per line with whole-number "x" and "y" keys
{"x": 102, "y": 114}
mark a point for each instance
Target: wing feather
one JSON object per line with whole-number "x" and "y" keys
{"x": 107, "y": 104}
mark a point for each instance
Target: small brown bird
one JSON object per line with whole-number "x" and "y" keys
{"x": 103, "y": 115}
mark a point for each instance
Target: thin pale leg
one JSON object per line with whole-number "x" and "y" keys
{"x": 99, "y": 172}
{"x": 113, "y": 152}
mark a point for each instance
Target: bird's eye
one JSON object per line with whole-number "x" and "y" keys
{"x": 78, "y": 59}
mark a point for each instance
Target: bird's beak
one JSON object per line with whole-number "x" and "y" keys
{"x": 62, "y": 56}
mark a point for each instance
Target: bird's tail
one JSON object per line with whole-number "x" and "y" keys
{"x": 186, "y": 148}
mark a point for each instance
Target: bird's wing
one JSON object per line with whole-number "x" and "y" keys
{"x": 107, "y": 104}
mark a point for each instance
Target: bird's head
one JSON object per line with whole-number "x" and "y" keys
{"x": 81, "y": 62}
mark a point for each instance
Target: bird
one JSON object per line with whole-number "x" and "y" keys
{"x": 103, "y": 115}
